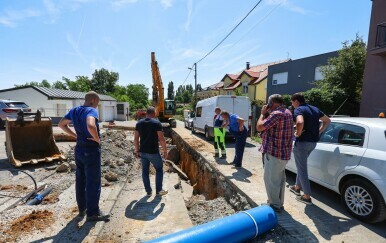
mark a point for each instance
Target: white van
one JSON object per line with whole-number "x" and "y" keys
{"x": 203, "y": 120}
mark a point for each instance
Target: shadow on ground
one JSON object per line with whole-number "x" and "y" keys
{"x": 143, "y": 209}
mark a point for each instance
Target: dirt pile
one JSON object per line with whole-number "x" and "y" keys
{"x": 202, "y": 211}
{"x": 36, "y": 220}
{"x": 117, "y": 154}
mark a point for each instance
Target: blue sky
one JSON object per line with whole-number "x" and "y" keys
{"x": 49, "y": 39}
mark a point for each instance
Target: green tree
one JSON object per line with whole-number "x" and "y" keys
{"x": 43, "y": 83}
{"x": 344, "y": 76}
{"x": 179, "y": 93}
{"x": 59, "y": 85}
{"x": 171, "y": 91}
{"x": 82, "y": 84}
{"x": 104, "y": 81}
{"x": 138, "y": 94}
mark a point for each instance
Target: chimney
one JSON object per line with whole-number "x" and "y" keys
{"x": 247, "y": 65}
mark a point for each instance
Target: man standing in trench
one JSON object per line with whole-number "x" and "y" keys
{"x": 148, "y": 132}
{"x": 87, "y": 156}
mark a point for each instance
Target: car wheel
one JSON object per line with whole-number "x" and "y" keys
{"x": 363, "y": 200}
{"x": 193, "y": 131}
{"x": 2, "y": 124}
{"x": 207, "y": 136}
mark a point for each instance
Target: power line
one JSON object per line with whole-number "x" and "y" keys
{"x": 187, "y": 76}
{"x": 261, "y": 20}
{"x": 257, "y": 4}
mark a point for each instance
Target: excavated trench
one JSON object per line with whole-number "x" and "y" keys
{"x": 206, "y": 180}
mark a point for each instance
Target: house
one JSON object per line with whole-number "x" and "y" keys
{"x": 250, "y": 82}
{"x": 296, "y": 75}
{"x": 210, "y": 91}
{"x": 56, "y": 102}
{"x": 230, "y": 83}
{"x": 374, "y": 81}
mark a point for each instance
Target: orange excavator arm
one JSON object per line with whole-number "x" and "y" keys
{"x": 158, "y": 89}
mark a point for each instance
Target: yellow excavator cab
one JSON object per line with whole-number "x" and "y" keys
{"x": 30, "y": 140}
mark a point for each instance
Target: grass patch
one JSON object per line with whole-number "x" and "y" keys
{"x": 256, "y": 139}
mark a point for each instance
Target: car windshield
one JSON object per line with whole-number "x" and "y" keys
{"x": 16, "y": 105}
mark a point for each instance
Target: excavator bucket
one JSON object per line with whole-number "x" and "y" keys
{"x": 30, "y": 141}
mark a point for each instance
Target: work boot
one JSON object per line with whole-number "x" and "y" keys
{"x": 99, "y": 217}
{"x": 224, "y": 156}
{"x": 162, "y": 193}
{"x": 81, "y": 214}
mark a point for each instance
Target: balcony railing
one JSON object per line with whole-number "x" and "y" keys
{"x": 381, "y": 36}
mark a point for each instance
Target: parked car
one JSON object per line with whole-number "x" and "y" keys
{"x": 188, "y": 120}
{"x": 10, "y": 108}
{"x": 350, "y": 159}
{"x": 203, "y": 120}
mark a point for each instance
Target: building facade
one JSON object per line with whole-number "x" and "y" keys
{"x": 296, "y": 75}
{"x": 374, "y": 82}
{"x": 57, "y": 102}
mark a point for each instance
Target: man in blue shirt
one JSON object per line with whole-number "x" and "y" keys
{"x": 87, "y": 156}
{"x": 148, "y": 132}
{"x": 307, "y": 134}
{"x": 239, "y": 132}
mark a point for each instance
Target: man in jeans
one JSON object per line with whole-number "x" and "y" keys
{"x": 307, "y": 134}
{"x": 148, "y": 132}
{"x": 276, "y": 148}
{"x": 239, "y": 132}
{"x": 87, "y": 156}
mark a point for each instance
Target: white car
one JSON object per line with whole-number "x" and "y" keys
{"x": 350, "y": 159}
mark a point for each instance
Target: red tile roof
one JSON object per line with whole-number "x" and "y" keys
{"x": 233, "y": 85}
{"x": 233, "y": 77}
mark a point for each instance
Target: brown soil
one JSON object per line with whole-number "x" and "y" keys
{"x": 37, "y": 220}
{"x": 51, "y": 198}
{"x": 13, "y": 187}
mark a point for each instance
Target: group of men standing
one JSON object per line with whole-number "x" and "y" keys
{"x": 277, "y": 141}
{"x": 276, "y": 122}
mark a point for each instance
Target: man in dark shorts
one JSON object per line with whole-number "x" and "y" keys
{"x": 308, "y": 130}
{"x": 87, "y": 156}
{"x": 148, "y": 132}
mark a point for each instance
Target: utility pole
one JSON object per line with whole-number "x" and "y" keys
{"x": 195, "y": 82}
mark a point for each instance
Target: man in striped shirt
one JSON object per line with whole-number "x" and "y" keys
{"x": 276, "y": 146}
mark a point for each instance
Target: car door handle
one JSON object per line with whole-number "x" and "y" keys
{"x": 349, "y": 154}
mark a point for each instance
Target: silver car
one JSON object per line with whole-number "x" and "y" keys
{"x": 10, "y": 108}
{"x": 350, "y": 159}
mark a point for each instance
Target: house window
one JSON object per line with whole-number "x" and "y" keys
{"x": 229, "y": 93}
{"x": 280, "y": 78}
{"x": 245, "y": 88}
{"x": 120, "y": 109}
{"x": 318, "y": 73}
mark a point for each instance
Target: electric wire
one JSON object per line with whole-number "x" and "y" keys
{"x": 257, "y": 4}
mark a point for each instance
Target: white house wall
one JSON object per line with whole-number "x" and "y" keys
{"x": 36, "y": 100}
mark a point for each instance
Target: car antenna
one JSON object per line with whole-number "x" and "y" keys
{"x": 339, "y": 107}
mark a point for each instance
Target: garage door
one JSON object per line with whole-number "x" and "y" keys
{"x": 109, "y": 113}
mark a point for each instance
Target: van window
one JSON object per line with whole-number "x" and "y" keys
{"x": 199, "y": 111}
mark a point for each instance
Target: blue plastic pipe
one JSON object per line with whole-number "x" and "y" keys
{"x": 238, "y": 227}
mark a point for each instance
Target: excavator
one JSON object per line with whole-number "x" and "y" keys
{"x": 165, "y": 109}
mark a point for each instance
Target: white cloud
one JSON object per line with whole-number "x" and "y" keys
{"x": 131, "y": 63}
{"x": 11, "y": 17}
{"x": 189, "y": 17}
{"x": 121, "y": 3}
{"x": 288, "y": 5}
{"x": 167, "y": 3}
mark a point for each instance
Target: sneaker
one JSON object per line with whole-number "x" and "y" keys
{"x": 295, "y": 191}
{"x": 162, "y": 193}
{"x": 81, "y": 214}
{"x": 149, "y": 193}
{"x": 304, "y": 200}
{"x": 99, "y": 217}
{"x": 224, "y": 156}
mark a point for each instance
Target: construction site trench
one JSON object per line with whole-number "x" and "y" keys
{"x": 207, "y": 194}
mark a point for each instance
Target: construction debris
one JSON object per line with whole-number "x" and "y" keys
{"x": 64, "y": 167}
